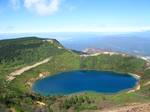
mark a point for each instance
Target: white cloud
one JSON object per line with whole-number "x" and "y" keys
{"x": 15, "y": 4}
{"x": 42, "y": 7}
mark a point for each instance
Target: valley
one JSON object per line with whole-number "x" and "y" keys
{"x": 28, "y": 61}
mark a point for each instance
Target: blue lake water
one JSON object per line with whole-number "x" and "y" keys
{"x": 84, "y": 80}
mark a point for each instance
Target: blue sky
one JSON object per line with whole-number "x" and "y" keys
{"x": 17, "y": 16}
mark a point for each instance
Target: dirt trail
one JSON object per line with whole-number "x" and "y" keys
{"x": 13, "y": 75}
{"x": 136, "y": 107}
{"x": 147, "y": 83}
{"x": 147, "y": 68}
{"x": 133, "y": 107}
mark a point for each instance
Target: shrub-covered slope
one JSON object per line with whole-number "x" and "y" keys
{"x": 27, "y": 50}
{"x": 17, "y": 95}
{"x": 16, "y": 53}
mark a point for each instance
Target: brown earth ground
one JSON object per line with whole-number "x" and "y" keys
{"x": 134, "y": 107}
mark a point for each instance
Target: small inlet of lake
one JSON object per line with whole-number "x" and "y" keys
{"x": 84, "y": 80}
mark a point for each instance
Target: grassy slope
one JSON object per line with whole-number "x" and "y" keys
{"x": 114, "y": 63}
{"x": 19, "y": 96}
{"x": 16, "y": 53}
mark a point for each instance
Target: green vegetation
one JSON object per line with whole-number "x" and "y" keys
{"x": 113, "y": 63}
{"x": 79, "y": 103}
{"x": 25, "y": 51}
{"x": 17, "y": 95}
{"x": 16, "y": 53}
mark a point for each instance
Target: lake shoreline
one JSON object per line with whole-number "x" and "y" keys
{"x": 136, "y": 88}
{"x": 81, "y": 76}
{"x": 138, "y": 85}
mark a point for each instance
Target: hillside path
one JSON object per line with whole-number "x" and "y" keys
{"x": 133, "y": 107}
{"x": 139, "y": 107}
{"x": 18, "y": 72}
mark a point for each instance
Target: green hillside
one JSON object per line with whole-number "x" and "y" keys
{"x": 16, "y": 53}
{"x": 17, "y": 95}
{"x": 27, "y": 50}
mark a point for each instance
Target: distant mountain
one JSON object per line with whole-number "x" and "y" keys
{"x": 133, "y": 43}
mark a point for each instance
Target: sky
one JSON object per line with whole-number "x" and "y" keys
{"x": 25, "y": 16}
